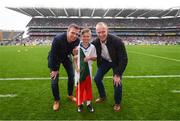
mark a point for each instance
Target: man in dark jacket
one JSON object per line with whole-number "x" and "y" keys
{"x": 111, "y": 53}
{"x": 60, "y": 52}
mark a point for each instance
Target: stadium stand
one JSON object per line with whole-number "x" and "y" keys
{"x": 10, "y": 37}
{"x": 134, "y": 26}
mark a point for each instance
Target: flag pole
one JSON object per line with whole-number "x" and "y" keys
{"x": 78, "y": 63}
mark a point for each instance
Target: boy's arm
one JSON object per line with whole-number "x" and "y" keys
{"x": 75, "y": 59}
{"x": 92, "y": 56}
{"x": 88, "y": 58}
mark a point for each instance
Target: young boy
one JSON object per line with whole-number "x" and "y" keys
{"x": 86, "y": 53}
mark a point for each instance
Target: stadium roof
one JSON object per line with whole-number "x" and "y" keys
{"x": 98, "y": 12}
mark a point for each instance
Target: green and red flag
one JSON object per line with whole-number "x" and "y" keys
{"x": 84, "y": 87}
{"x": 84, "y": 67}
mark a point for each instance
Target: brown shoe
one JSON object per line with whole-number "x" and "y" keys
{"x": 99, "y": 100}
{"x": 56, "y": 105}
{"x": 117, "y": 107}
{"x": 72, "y": 98}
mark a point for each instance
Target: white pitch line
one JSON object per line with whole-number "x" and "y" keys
{"x": 157, "y": 56}
{"x": 106, "y": 77}
{"x": 8, "y": 95}
{"x": 175, "y": 91}
{"x": 36, "y": 78}
{"x": 154, "y": 76}
{"x": 148, "y": 76}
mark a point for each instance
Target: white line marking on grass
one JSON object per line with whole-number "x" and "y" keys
{"x": 106, "y": 77}
{"x": 148, "y": 76}
{"x": 154, "y": 76}
{"x": 175, "y": 91}
{"x": 157, "y": 56}
{"x": 8, "y": 95}
{"x": 36, "y": 78}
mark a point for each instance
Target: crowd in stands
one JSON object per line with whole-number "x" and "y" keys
{"x": 128, "y": 40}
{"x": 91, "y": 22}
{"x": 132, "y": 31}
{"x": 151, "y": 40}
{"x": 37, "y": 40}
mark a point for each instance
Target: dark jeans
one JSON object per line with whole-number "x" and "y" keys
{"x": 102, "y": 70}
{"x": 54, "y": 83}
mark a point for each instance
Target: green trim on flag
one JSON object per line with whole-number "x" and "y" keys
{"x": 84, "y": 67}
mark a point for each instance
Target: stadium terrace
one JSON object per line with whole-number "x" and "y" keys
{"x": 134, "y": 26}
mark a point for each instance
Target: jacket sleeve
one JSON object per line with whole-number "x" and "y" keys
{"x": 122, "y": 58}
{"x": 76, "y": 43}
{"x": 53, "y": 55}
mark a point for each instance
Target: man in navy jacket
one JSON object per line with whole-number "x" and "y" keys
{"x": 60, "y": 53}
{"x": 111, "y": 54}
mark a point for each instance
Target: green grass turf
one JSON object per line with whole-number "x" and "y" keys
{"x": 143, "y": 98}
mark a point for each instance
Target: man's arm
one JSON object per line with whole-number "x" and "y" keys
{"x": 54, "y": 56}
{"x": 122, "y": 63}
{"x": 75, "y": 45}
{"x": 122, "y": 58}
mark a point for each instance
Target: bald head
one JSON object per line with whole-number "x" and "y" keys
{"x": 101, "y": 24}
{"x": 102, "y": 31}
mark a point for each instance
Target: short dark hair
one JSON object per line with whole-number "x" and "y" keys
{"x": 73, "y": 26}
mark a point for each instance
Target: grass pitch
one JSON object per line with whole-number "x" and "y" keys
{"x": 144, "y": 98}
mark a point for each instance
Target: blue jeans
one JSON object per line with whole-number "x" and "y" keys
{"x": 102, "y": 70}
{"x": 54, "y": 83}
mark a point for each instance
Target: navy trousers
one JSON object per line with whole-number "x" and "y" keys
{"x": 54, "y": 83}
{"x": 102, "y": 70}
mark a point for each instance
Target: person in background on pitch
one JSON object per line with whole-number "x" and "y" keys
{"x": 83, "y": 59}
{"x": 111, "y": 54}
{"x": 60, "y": 53}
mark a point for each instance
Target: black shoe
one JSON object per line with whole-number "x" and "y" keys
{"x": 80, "y": 108}
{"x": 90, "y": 108}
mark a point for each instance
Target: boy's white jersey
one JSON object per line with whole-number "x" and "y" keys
{"x": 91, "y": 52}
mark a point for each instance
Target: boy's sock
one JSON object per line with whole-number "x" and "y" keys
{"x": 88, "y": 102}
